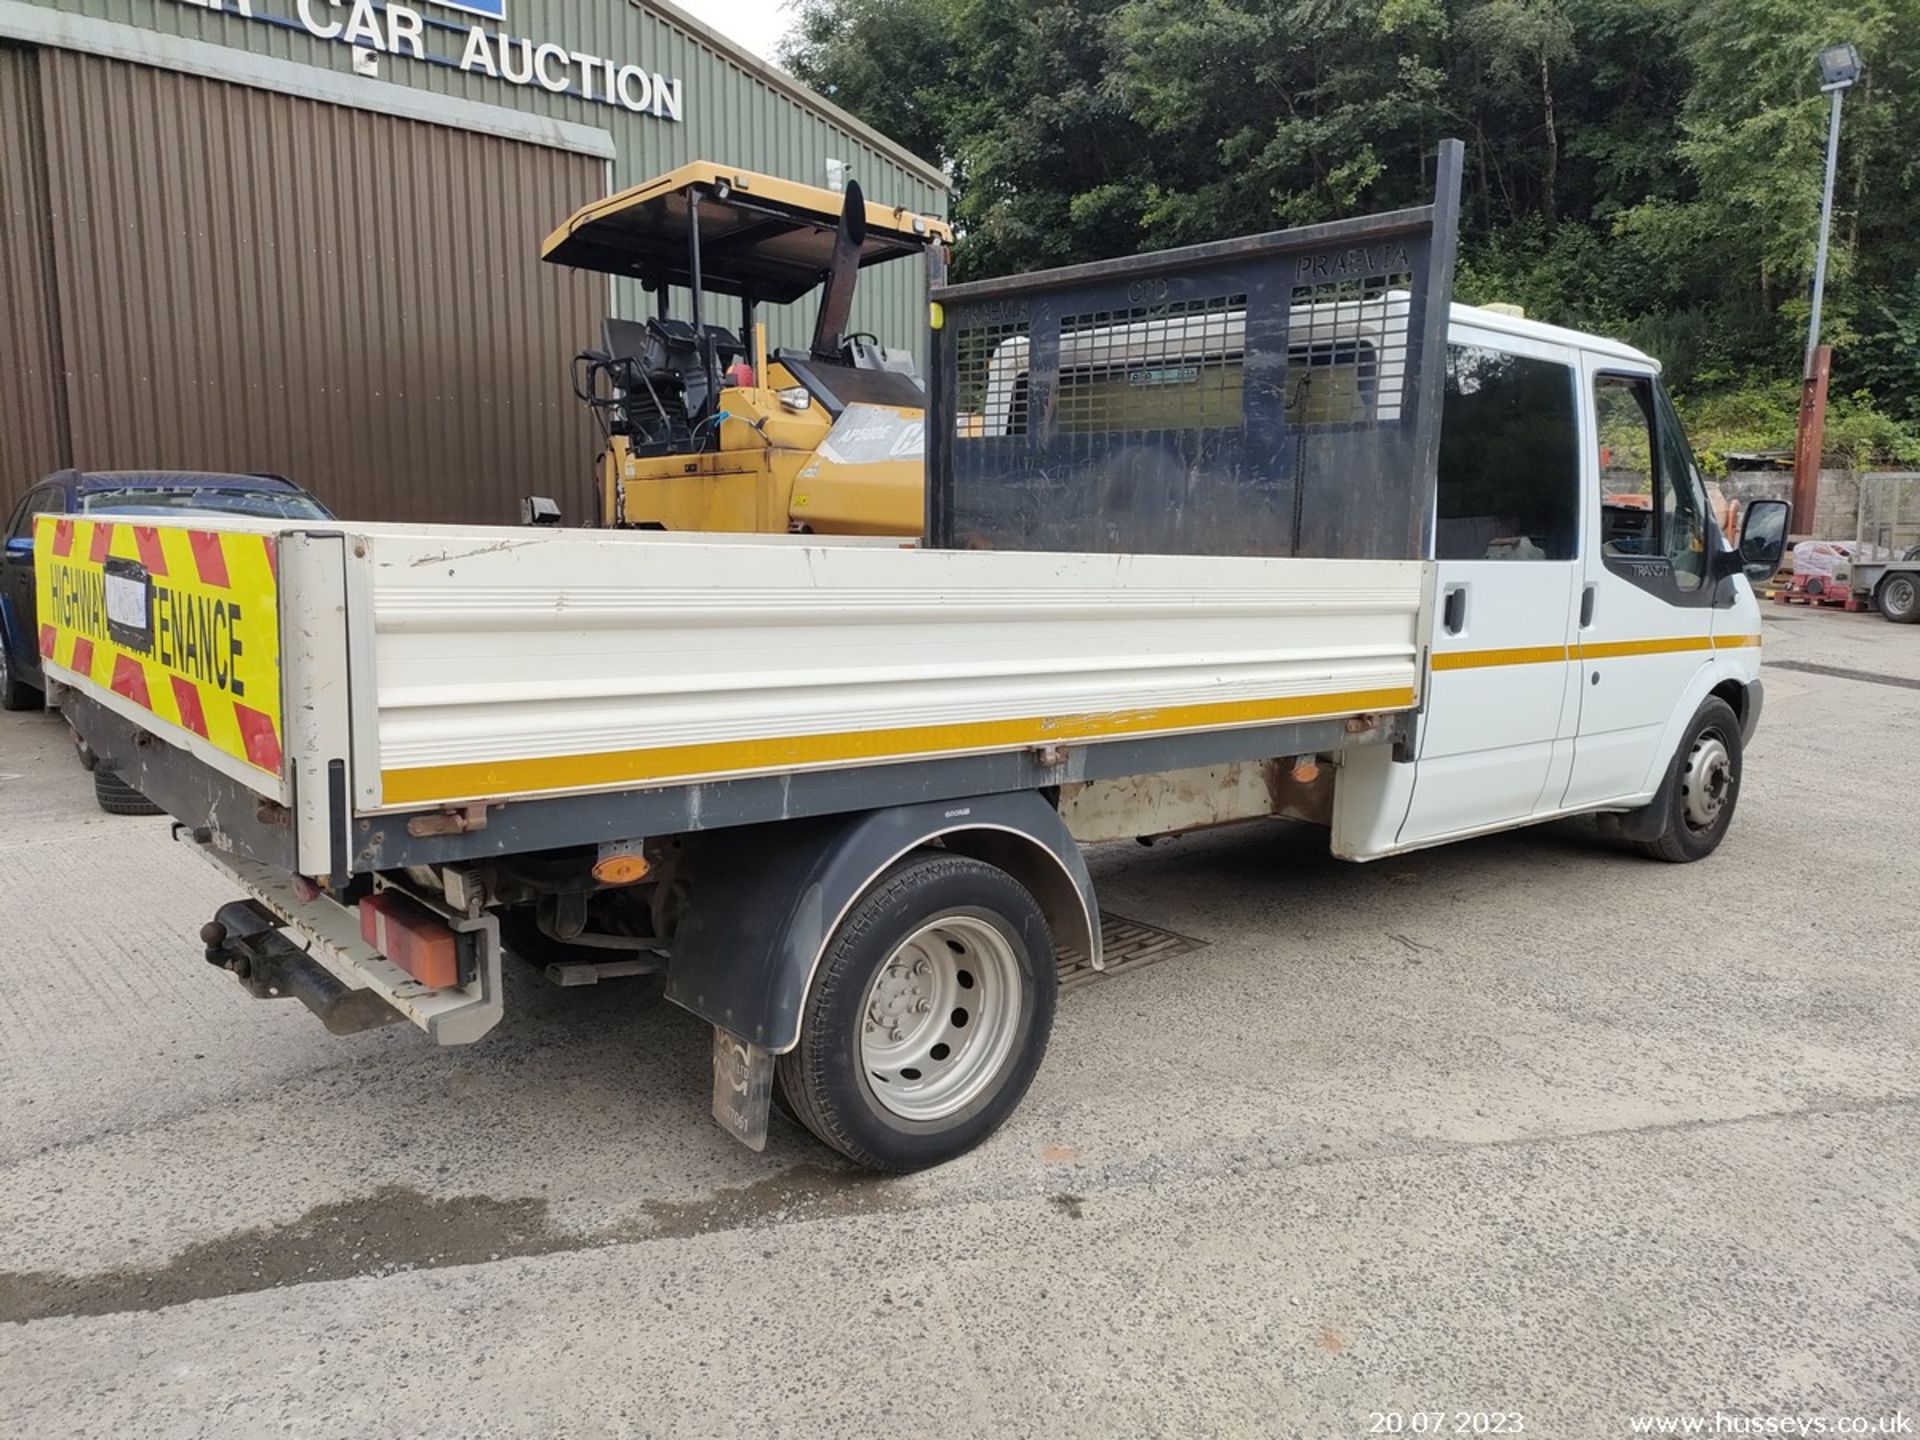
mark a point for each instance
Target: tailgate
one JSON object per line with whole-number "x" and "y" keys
{"x": 174, "y": 626}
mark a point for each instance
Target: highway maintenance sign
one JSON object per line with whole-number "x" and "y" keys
{"x": 179, "y": 623}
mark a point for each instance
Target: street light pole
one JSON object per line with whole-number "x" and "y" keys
{"x": 1838, "y": 92}
{"x": 1839, "y": 68}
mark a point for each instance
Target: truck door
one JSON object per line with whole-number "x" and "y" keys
{"x": 1646, "y": 620}
{"x": 1498, "y": 722}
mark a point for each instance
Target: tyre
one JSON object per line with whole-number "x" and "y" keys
{"x": 928, "y": 1016}
{"x": 1702, "y": 788}
{"x": 1899, "y": 598}
{"x": 116, "y": 797}
{"x": 15, "y": 693}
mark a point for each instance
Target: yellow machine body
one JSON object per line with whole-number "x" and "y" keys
{"x": 771, "y": 473}
{"x": 777, "y": 460}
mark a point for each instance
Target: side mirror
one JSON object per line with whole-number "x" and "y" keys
{"x": 539, "y": 510}
{"x": 1763, "y": 537}
{"x": 20, "y": 550}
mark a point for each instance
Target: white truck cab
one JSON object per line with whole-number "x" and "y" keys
{"x": 1579, "y": 621}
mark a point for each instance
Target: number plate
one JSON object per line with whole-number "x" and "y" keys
{"x": 129, "y": 599}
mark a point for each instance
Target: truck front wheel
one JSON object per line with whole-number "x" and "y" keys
{"x": 928, "y": 1017}
{"x": 1704, "y": 787}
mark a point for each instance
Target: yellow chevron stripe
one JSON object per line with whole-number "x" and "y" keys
{"x": 431, "y": 784}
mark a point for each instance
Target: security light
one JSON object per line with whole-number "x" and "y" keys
{"x": 1839, "y": 67}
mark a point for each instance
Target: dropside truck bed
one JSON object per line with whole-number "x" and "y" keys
{"x": 440, "y": 699}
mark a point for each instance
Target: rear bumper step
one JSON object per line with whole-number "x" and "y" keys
{"x": 326, "y": 938}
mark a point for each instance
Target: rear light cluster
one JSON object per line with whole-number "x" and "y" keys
{"x": 412, "y": 937}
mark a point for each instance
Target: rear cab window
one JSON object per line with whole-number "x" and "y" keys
{"x": 1509, "y": 471}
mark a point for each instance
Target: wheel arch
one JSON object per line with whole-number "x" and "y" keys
{"x": 1064, "y": 891}
{"x": 1717, "y": 678}
{"x": 769, "y": 898}
{"x": 1735, "y": 692}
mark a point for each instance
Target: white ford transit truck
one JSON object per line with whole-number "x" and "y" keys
{"x": 1260, "y": 528}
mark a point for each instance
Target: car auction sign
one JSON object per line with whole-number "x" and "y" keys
{"x": 399, "y": 30}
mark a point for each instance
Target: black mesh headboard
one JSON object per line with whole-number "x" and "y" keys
{"x": 1273, "y": 395}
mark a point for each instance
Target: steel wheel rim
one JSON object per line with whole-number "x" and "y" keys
{"x": 941, "y": 1018}
{"x": 1707, "y": 784}
{"x": 1900, "y": 596}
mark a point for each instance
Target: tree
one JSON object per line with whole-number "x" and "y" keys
{"x": 1644, "y": 167}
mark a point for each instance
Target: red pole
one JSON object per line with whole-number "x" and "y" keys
{"x": 1813, "y": 434}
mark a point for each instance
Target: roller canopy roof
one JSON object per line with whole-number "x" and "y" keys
{"x": 759, "y": 235}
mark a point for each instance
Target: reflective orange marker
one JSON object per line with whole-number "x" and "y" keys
{"x": 621, "y": 867}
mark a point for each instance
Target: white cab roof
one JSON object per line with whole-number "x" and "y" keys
{"x": 1549, "y": 334}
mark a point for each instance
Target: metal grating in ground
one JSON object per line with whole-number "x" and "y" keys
{"x": 1129, "y": 945}
{"x": 1871, "y": 677}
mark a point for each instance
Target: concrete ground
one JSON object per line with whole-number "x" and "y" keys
{"x": 1524, "y": 1125}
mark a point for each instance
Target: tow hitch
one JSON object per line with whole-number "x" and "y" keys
{"x": 244, "y": 939}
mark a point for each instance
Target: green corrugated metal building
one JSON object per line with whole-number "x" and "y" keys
{"x": 302, "y": 235}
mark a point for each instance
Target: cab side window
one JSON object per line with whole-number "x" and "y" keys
{"x": 1651, "y": 503}
{"x": 1509, "y": 459}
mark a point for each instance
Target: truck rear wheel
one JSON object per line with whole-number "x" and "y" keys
{"x": 1899, "y": 598}
{"x": 1703, "y": 788}
{"x": 928, "y": 1017}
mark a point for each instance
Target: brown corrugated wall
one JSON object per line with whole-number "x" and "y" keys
{"x": 251, "y": 281}
{"x": 33, "y": 422}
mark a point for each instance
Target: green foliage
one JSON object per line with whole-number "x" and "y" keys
{"x": 1886, "y": 352}
{"x": 1759, "y": 418}
{"x": 1645, "y": 168}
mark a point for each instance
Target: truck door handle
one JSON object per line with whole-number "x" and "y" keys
{"x": 1454, "y": 616}
{"x": 1586, "y": 607}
